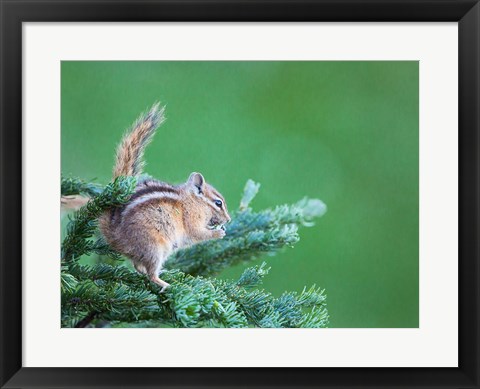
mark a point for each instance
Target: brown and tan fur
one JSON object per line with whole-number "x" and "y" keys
{"x": 159, "y": 218}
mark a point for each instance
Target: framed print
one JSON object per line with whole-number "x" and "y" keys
{"x": 248, "y": 194}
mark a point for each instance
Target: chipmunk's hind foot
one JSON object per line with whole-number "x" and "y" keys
{"x": 160, "y": 282}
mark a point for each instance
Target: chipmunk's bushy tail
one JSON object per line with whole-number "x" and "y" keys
{"x": 129, "y": 160}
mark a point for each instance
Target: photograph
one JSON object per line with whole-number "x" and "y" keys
{"x": 239, "y": 194}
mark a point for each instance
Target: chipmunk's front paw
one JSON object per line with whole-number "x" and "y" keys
{"x": 218, "y": 234}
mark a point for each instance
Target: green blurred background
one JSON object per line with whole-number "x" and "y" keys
{"x": 344, "y": 132}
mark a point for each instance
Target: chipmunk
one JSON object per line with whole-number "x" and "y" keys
{"x": 159, "y": 218}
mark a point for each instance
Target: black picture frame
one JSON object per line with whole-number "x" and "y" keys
{"x": 15, "y": 12}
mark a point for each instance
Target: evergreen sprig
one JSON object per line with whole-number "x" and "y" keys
{"x": 114, "y": 295}
{"x": 75, "y": 186}
{"x": 211, "y": 257}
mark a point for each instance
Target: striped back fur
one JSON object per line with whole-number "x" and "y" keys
{"x": 129, "y": 159}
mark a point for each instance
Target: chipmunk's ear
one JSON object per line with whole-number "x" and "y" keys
{"x": 196, "y": 182}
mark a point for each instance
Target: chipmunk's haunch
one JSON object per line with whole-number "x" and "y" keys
{"x": 159, "y": 218}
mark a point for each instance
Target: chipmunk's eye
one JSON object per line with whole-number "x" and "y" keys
{"x": 218, "y": 203}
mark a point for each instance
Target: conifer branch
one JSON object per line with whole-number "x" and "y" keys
{"x": 114, "y": 293}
